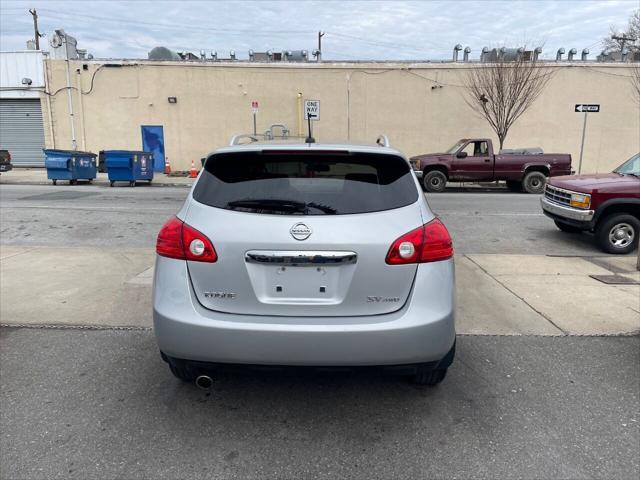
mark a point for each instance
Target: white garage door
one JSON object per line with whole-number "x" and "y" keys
{"x": 21, "y": 131}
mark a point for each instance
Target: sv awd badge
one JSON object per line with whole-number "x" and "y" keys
{"x": 300, "y": 231}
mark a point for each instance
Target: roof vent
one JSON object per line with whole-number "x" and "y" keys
{"x": 484, "y": 55}
{"x": 584, "y": 54}
{"x": 456, "y": 49}
{"x": 536, "y": 53}
{"x": 572, "y": 54}
{"x": 559, "y": 54}
{"x": 467, "y": 51}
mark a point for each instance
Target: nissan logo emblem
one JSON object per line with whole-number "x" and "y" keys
{"x": 300, "y": 231}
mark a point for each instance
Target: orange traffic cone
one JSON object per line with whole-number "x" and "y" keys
{"x": 167, "y": 166}
{"x": 193, "y": 173}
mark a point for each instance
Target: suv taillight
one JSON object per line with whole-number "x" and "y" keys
{"x": 428, "y": 243}
{"x": 179, "y": 240}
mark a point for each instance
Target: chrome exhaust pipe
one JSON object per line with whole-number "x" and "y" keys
{"x": 204, "y": 382}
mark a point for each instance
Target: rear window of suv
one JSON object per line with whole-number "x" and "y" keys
{"x": 306, "y": 182}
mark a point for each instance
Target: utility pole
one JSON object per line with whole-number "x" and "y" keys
{"x": 623, "y": 39}
{"x": 320, "y": 35}
{"x": 36, "y": 33}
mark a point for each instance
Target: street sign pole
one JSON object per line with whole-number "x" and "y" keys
{"x": 255, "y": 128}
{"x": 584, "y": 129}
{"x": 584, "y": 108}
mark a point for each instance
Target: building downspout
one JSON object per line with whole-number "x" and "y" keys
{"x": 82, "y": 130}
{"x": 48, "y": 96}
{"x": 300, "y": 114}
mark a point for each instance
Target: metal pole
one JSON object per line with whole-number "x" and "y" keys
{"x": 584, "y": 128}
{"x": 36, "y": 33}
{"x": 255, "y": 130}
{"x": 74, "y": 144}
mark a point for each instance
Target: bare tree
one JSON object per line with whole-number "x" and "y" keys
{"x": 635, "y": 81}
{"x": 610, "y": 44}
{"x": 502, "y": 91}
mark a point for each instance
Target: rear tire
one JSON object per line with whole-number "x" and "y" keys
{"x": 430, "y": 377}
{"x": 55, "y": 182}
{"x": 514, "y": 185}
{"x": 534, "y": 182}
{"x": 566, "y": 228}
{"x": 618, "y": 233}
{"x": 434, "y": 181}
{"x": 179, "y": 369}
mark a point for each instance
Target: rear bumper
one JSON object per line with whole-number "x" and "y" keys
{"x": 5, "y": 167}
{"x": 572, "y": 216}
{"x": 422, "y": 331}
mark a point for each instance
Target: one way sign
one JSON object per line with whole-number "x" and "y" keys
{"x": 591, "y": 108}
{"x": 312, "y": 110}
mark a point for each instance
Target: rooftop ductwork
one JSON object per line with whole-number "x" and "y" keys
{"x": 251, "y": 56}
{"x": 214, "y": 55}
{"x": 624, "y": 54}
{"x": 456, "y": 49}
{"x": 484, "y": 55}
{"x": 465, "y": 57}
{"x": 536, "y": 53}
{"x": 232, "y": 55}
{"x": 203, "y": 55}
{"x": 559, "y": 54}
{"x": 584, "y": 54}
{"x": 317, "y": 54}
{"x": 572, "y": 53}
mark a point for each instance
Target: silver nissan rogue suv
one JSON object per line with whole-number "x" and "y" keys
{"x": 315, "y": 255}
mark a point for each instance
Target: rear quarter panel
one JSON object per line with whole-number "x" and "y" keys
{"x": 513, "y": 167}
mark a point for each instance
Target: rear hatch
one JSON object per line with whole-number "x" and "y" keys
{"x": 303, "y": 232}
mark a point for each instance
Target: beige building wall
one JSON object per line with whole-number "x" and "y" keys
{"x": 358, "y": 102}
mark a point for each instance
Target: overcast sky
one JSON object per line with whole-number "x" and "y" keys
{"x": 354, "y": 29}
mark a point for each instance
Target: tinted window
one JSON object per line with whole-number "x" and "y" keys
{"x": 306, "y": 183}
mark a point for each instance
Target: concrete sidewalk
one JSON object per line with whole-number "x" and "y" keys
{"x": 497, "y": 294}
{"x": 38, "y": 176}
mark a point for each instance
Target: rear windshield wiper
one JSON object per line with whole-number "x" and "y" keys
{"x": 289, "y": 206}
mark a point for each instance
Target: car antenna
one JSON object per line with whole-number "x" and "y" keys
{"x": 310, "y": 138}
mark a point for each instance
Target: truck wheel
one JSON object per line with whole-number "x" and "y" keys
{"x": 434, "y": 181}
{"x": 514, "y": 185}
{"x": 618, "y": 233}
{"x": 534, "y": 182}
{"x": 566, "y": 227}
{"x": 111, "y": 183}
{"x": 55, "y": 182}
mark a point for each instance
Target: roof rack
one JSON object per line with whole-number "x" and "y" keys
{"x": 269, "y": 134}
{"x": 383, "y": 141}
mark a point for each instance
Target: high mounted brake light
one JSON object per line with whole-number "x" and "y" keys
{"x": 183, "y": 242}
{"x": 428, "y": 243}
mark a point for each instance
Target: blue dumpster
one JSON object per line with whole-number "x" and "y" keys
{"x": 128, "y": 166}
{"x": 69, "y": 165}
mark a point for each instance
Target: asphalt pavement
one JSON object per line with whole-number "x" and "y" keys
{"x": 483, "y": 222}
{"x": 102, "y": 405}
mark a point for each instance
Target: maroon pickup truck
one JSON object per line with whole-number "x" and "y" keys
{"x": 607, "y": 204}
{"x": 473, "y": 160}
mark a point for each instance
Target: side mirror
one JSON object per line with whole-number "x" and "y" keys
{"x": 461, "y": 154}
